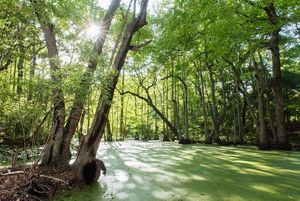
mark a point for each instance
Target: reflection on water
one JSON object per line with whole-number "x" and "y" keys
{"x": 155, "y": 170}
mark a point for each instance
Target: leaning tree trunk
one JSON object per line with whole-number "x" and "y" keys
{"x": 52, "y": 148}
{"x": 86, "y": 167}
{"x": 58, "y": 153}
{"x": 277, "y": 81}
{"x": 82, "y": 93}
{"x": 164, "y": 118}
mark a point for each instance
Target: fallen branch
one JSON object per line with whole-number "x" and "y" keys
{"x": 54, "y": 178}
{"x": 42, "y": 175}
{"x": 12, "y": 173}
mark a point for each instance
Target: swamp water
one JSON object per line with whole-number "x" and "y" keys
{"x": 150, "y": 171}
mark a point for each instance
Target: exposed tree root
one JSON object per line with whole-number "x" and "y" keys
{"x": 33, "y": 183}
{"x": 41, "y": 182}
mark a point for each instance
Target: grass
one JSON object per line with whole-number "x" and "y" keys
{"x": 152, "y": 171}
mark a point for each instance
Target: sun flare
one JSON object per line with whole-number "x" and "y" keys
{"x": 92, "y": 31}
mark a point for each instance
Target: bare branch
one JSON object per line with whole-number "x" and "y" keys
{"x": 137, "y": 47}
{"x": 54, "y": 178}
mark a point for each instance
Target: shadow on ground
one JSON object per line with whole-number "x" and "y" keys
{"x": 155, "y": 170}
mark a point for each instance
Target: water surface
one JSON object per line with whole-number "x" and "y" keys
{"x": 149, "y": 171}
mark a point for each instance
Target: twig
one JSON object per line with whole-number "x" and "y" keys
{"x": 54, "y": 178}
{"x": 12, "y": 173}
{"x": 42, "y": 175}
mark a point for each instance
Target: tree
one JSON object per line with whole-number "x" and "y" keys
{"x": 86, "y": 165}
{"x": 57, "y": 150}
{"x": 52, "y": 147}
{"x": 277, "y": 81}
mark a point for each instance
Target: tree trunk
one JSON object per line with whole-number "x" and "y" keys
{"x": 155, "y": 119}
{"x": 32, "y": 73}
{"x": 20, "y": 69}
{"x": 121, "y": 129}
{"x": 80, "y": 132}
{"x": 165, "y": 137}
{"x": 277, "y": 81}
{"x": 235, "y": 126}
{"x": 136, "y": 112}
{"x": 263, "y": 139}
{"x": 177, "y": 122}
{"x": 200, "y": 87}
{"x": 271, "y": 119}
{"x": 149, "y": 101}
{"x": 240, "y": 133}
{"x": 80, "y": 96}
{"x": 108, "y": 131}
{"x": 86, "y": 167}
{"x": 51, "y": 150}
{"x": 186, "y": 112}
{"x": 268, "y": 100}
{"x": 214, "y": 108}
{"x": 243, "y": 90}
{"x": 207, "y": 139}
{"x": 168, "y": 112}
{"x": 244, "y": 112}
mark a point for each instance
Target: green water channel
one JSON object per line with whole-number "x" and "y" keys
{"x": 142, "y": 171}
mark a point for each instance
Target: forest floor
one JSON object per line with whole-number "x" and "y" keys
{"x": 149, "y": 171}
{"x": 32, "y": 183}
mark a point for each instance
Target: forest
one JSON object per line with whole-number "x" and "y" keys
{"x": 192, "y": 99}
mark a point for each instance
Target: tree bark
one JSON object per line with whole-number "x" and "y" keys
{"x": 207, "y": 139}
{"x": 164, "y": 99}
{"x": 80, "y": 96}
{"x": 270, "y": 114}
{"x": 51, "y": 149}
{"x": 108, "y": 131}
{"x": 263, "y": 138}
{"x": 176, "y": 122}
{"x": 32, "y": 73}
{"x": 186, "y": 111}
{"x": 240, "y": 133}
{"x": 86, "y": 165}
{"x": 271, "y": 118}
{"x": 121, "y": 129}
{"x": 214, "y": 108}
{"x": 277, "y": 81}
{"x": 243, "y": 90}
{"x": 20, "y": 69}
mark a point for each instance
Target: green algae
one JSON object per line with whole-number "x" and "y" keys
{"x": 142, "y": 171}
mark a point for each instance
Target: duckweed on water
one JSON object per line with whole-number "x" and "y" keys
{"x": 149, "y": 171}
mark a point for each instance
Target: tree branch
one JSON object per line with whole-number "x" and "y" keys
{"x": 137, "y": 47}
